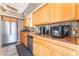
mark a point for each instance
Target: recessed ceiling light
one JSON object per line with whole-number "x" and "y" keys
{"x": 4, "y": 6}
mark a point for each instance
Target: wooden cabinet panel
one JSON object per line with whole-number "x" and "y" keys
{"x": 35, "y": 49}
{"x": 54, "y": 49}
{"x": 35, "y": 46}
{"x": 5, "y": 18}
{"x": 13, "y": 19}
{"x": 41, "y": 16}
{"x": 10, "y": 19}
{"x": 23, "y": 38}
{"x": 67, "y": 11}
{"x": 35, "y": 20}
{"x": 44, "y": 51}
{"x": 26, "y": 22}
{"x": 55, "y": 12}
{"x": 60, "y": 12}
{"x": 44, "y": 14}
{"x": 77, "y": 11}
{"x": 61, "y": 50}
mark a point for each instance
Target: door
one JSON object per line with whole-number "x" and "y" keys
{"x": 5, "y": 31}
{"x": 60, "y": 12}
{"x": 13, "y": 32}
{"x": 9, "y": 32}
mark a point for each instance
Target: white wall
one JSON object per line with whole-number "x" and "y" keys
{"x": 20, "y": 27}
{"x": 0, "y": 30}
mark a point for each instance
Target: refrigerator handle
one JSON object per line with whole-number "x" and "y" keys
{"x": 10, "y": 28}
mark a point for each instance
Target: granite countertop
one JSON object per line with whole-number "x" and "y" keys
{"x": 65, "y": 39}
{"x": 68, "y": 42}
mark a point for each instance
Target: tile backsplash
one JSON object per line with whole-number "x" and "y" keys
{"x": 74, "y": 28}
{"x": 73, "y": 24}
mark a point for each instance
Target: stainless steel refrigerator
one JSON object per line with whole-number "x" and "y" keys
{"x": 9, "y": 32}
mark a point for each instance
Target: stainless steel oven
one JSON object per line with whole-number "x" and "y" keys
{"x": 60, "y": 31}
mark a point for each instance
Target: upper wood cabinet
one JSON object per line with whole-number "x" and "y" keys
{"x": 44, "y": 14}
{"x": 60, "y": 12}
{"x": 41, "y": 16}
{"x": 13, "y": 19}
{"x": 5, "y": 18}
{"x": 35, "y": 18}
{"x": 56, "y": 12}
{"x": 77, "y": 11}
{"x": 10, "y": 19}
{"x": 26, "y": 22}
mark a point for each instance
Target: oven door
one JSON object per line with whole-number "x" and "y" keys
{"x": 55, "y": 33}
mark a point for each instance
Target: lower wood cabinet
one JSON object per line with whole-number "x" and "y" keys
{"x": 23, "y": 38}
{"x": 35, "y": 47}
{"x": 41, "y": 47}
{"x": 44, "y": 51}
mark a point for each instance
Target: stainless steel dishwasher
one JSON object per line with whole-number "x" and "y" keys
{"x": 30, "y": 43}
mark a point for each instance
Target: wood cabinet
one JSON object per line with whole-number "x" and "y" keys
{"x": 10, "y": 19}
{"x": 23, "y": 38}
{"x": 55, "y": 12}
{"x": 41, "y": 16}
{"x": 61, "y": 50}
{"x": 43, "y": 47}
{"x": 43, "y": 13}
{"x": 26, "y": 22}
{"x": 77, "y": 11}
{"x": 35, "y": 18}
{"x": 5, "y": 18}
{"x": 35, "y": 47}
{"x": 60, "y": 12}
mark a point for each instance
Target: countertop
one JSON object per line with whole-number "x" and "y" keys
{"x": 66, "y": 41}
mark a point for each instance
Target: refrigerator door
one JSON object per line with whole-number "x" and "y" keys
{"x": 6, "y": 27}
{"x": 5, "y": 31}
{"x": 9, "y": 32}
{"x": 13, "y": 32}
{"x": 13, "y": 28}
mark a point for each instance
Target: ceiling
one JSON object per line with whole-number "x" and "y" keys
{"x": 20, "y": 7}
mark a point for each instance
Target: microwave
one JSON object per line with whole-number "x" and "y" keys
{"x": 60, "y": 31}
{"x": 43, "y": 30}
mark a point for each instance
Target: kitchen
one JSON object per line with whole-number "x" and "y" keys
{"x": 42, "y": 29}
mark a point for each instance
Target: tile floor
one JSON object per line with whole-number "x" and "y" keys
{"x": 8, "y": 50}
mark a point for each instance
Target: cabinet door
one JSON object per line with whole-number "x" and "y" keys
{"x": 44, "y": 51}
{"x": 23, "y": 38}
{"x": 43, "y": 15}
{"x": 67, "y": 11}
{"x": 35, "y": 49}
{"x": 60, "y": 50}
{"x": 77, "y": 11}
{"x": 26, "y": 22}
{"x": 5, "y": 18}
{"x": 35, "y": 46}
{"x": 13, "y": 19}
{"x": 45, "y": 12}
{"x": 60, "y": 12}
{"x": 35, "y": 18}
